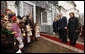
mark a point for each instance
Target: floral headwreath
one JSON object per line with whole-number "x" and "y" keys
{"x": 14, "y": 18}
{"x": 7, "y": 10}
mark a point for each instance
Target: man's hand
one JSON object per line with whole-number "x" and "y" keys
{"x": 54, "y": 33}
{"x": 77, "y": 30}
{"x": 65, "y": 27}
{"x": 58, "y": 28}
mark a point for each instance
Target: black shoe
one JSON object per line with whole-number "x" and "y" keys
{"x": 36, "y": 40}
{"x": 60, "y": 38}
{"x": 30, "y": 43}
{"x": 25, "y": 46}
{"x": 73, "y": 44}
{"x": 29, "y": 46}
{"x": 64, "y": 41}
{"x": 33, "y": 41}
{"x": 70, "y": 44}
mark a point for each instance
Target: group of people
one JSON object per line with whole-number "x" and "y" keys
{"x": 17, "y": 32}
{"x": 66, "y": 30}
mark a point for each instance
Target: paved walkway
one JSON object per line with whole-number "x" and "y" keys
{"x": 46, "y": 45}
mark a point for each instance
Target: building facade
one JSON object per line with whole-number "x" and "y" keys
{"x": 42, "y": 12}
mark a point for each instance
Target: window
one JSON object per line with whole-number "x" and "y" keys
{"x": 3, "y": 6}
{"x": 44, "y": 17}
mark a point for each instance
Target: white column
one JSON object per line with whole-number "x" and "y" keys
{"x": 34, "y": 13}
{"x": 21, "y": 8}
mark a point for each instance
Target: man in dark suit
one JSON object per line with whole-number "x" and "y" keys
{"x": 62, "y": 26}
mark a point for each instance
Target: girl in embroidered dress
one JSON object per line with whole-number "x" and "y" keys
{"x": 37, "y": 30}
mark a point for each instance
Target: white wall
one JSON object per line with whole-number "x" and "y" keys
{"x": 49, "y": 18}
{"x": 11, "y": 5}
{"x": 63, "y": 11}
{"x": 65, "y": 4}
{"x": 81, "y": 19}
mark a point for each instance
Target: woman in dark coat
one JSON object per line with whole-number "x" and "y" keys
{"x": 73, "y": 26}
{"x": 55, "y": 26}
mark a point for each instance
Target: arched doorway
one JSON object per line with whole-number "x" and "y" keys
{"x": 3, "y": 6}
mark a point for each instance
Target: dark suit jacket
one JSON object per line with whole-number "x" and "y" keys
{"x": 62, "y": 22}
{"x": 73, "y": 25}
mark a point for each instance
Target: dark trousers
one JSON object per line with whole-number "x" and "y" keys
{"x": 63, "y": 35}
{"x": 25, "y": 41}
{"x": 72, "y": 41}
{"x": 59, "y": 34}
{"x": 33, "y": 38}
{"x": 73, "y": 36}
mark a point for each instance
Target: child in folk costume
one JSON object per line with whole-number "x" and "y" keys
{"x": 29, "y": 34}
{"x": 6, "y": 17}
{"x": 21, "y": 37}
{"x": 13, "y": 14}
{"x": 30, "y": 21}
{"x": 23, "y": 30}
{"x": 1, "y": 14}
{"x": 37, "y": 31}
{"x": 18, "y": 21}
{"x": 10, "y": 44}
{"x": 16, "y": 28}
{"x": 9, "y": 13}
{"x": 4, "y": 21}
